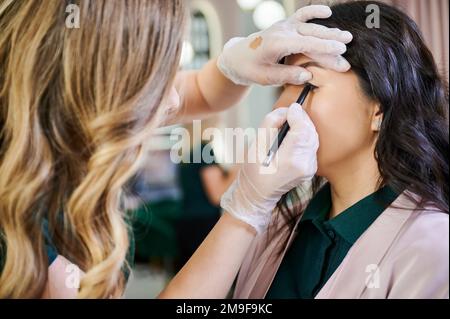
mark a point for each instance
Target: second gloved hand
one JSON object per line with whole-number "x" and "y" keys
{"x": 255, "y": 59}
{"x": 254, "y": 194}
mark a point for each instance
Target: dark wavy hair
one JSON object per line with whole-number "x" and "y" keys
{"x": 396, "y": 69}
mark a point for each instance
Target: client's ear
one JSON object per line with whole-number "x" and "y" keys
{"x": 377, "y": 118}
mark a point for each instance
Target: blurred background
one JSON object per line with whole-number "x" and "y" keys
{"x": 175, "y": 205}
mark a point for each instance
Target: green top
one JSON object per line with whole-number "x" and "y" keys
{"x": 195, "y": 203}
{"x": 322, "y": 243}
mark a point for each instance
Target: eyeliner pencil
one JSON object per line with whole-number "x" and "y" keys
{"x": 285, "y": 128}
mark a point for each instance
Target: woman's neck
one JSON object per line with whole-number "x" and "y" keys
{"x": 352, "y": 182}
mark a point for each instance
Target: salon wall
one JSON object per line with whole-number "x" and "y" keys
{"x": 233, "y": 21}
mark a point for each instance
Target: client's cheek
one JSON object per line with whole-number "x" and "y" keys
{"x": 281, "y": 102}
{"x": 321, "y": 115}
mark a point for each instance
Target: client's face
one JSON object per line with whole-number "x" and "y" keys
{"x": 345, "y": 119}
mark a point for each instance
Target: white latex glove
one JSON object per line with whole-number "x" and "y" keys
{"x": 257, "y": 189}
{"x": 255, "y": 59}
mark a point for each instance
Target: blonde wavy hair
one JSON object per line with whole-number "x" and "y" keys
{"x": 77, "y": 107}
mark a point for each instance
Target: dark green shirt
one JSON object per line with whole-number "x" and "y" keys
{"x": 322, "y": 243}
{"x": 195, "y": 201}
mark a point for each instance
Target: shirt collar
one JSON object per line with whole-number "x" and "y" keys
{"x": 355, "y": 220}
{"x": 319, "y": 206}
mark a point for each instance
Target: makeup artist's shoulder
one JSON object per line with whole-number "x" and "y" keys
{"x": 63, "y": 279}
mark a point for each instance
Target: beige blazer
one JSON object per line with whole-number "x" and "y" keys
{"x": 403, "y": 254}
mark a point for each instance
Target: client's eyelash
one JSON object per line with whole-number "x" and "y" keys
{"x": 313, "y": 87}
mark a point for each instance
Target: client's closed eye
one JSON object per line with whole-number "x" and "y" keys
{"x": 313, "y": 87}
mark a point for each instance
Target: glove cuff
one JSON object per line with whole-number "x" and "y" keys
{"x": 237, "y": 201}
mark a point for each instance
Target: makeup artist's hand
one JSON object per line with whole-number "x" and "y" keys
{"x": 255, "y": 59}
{"x": 257, "y": 189}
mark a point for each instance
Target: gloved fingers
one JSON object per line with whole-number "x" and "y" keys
{"x": 334, "y": 62}
{"x": 279, "y": 74}
{"x": 275, "y": 119}
{"x": 302, "y": 140}
{"x": 307, "y": 44}
{"x": 298, "y": 152}
{"x": 322, "y": 32}
{"x": 298, "y": 119}
{"x": 269, "y": 128}
{"x": 312, "y": 12}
